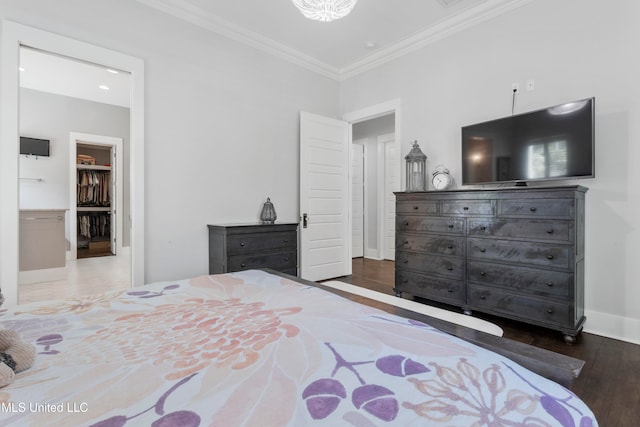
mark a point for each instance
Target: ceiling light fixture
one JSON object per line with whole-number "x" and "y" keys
{"x": 325, "y": 10}
{"x": 103, "y": 87}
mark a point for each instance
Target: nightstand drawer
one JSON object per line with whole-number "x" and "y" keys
{"x": 537, "y": 208}
{"x": 432, "y": 225}
{"x": 429, "y": 287}
{"x": 516, "y": 306}
{"x": 523, "y": 279}
{"x": 244, "y": 243}
{"x": 555, "y": 231}
{"x": 507, "y": 251}
{"x": 276, "y": 261}
{"x": 443, "y": 245}
{"x": 432, "y": 264}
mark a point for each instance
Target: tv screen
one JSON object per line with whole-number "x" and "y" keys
{"x": 34, "y": 146}
{"x": 550, "y": 144}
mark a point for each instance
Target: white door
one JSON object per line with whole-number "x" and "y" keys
{"x": 391, "y": 184}
{"x": 324, "y": 197}
{"x": 357, "y": 200}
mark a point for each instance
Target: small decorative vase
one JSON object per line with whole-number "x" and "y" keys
{"x": 268, "y": 214}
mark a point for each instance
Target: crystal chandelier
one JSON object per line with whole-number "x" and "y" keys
{"x": 325, "y": 10}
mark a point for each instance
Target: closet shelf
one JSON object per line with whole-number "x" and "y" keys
{"x": 94, "y": 167}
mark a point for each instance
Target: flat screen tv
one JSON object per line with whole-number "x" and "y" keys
{"x": 34, "y": 146}
{"x": 554, "y": 143}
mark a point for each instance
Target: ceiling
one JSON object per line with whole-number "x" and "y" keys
{"x": 375, "y": 32}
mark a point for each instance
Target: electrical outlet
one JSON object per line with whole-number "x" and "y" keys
{"x": 531, "y": 84}
{"x": 515, "y": 87}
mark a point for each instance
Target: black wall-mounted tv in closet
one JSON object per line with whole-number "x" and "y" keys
{"x": 34, "y": 146}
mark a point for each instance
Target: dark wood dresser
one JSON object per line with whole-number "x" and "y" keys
{"x": 516, "y": 253}
{"x": 236, "y": 247}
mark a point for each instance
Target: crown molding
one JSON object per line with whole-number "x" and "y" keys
{"x": 459, "y": 22}
{"x": 197, "y": 16}
{"x": 467, "y": 18}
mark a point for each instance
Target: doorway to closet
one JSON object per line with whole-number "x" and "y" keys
{"x": 16, "y": 37}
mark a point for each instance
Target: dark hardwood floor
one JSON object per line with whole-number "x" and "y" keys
{"x": 610, "y": 380}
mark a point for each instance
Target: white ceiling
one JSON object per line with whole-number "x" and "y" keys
{"x": 335, "y": 49}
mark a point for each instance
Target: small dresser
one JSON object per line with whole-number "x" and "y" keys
{"x": 516, "y": 253}
{"x": 236, "y": 247}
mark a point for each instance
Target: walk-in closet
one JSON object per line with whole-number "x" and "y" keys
{"x": 95, "y": 211}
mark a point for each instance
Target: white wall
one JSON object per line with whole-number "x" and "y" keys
{"x": 221, "y": 122}
{"x": 48, "y": 116}
{"x": 573, "y": 49}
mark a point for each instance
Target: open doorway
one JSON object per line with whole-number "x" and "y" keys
{"x": 374, "y": 179}
{"x": 16, "y": 36}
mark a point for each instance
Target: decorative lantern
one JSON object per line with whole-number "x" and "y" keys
{"x": 268, "y": 214}
{"x": 416, "y": 169}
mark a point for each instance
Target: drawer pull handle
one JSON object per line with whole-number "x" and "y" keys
{"x": 533, "y": 209}
{"x": 406, "y": 223}
{"x": 483, "y": 297}
{"x": 482, "y": 273}
{"x": 450, "y": 290}
{"x": 450, "y": 226}
{"x": 549, "y": 256}
{"x": 483, "y": 228}
{"x": 449, "y": 268}
{"x": 242, "y": 265}
{"x": 466, "y": 208}
{"x": 415, "y": 208}
{"x": 286, "y": 258}
{"x": 406, "y": 261}
{"x": 550, "y": 284}
{"x": 405, "y": 281}
{"x": 286, "y": 240}
{"x": 242, "y": 243}
{"x": 406, "y": 242}
{"x": 483, "y": 250}
{"x": 550, "y": 231}
{"x": 550, "y": 310}
{"x": 450, "y": 247}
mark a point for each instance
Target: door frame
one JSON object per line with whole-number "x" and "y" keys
{"x": 374, "y": 111}
{"x": 15, "y": 35}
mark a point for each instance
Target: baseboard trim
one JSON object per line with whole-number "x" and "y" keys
{"x": 612, "y": 326}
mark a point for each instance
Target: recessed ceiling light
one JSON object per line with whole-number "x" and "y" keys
{"x": 112, "y": 71}
{"x": 104, "y": 87}
{"x": 371, "y": 44}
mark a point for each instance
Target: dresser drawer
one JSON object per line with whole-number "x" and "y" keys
{"x": 528, "y": 308}
{"x": 537, "y": 208}
{"x": 432, "y": 225}
{"x": 544, "y": 230}
{"x": 423, "y": 207}
{"x": 530, "y": 280}
{"x": 277, "y": 261}
{"x": 431, "y": 264}
{"x": 437, "y": 244}
{"x": 251, "y": 242}
{"x": 508, "y": 251}
{"x": 467, "y": 207}
{"x": 433, "y": 288}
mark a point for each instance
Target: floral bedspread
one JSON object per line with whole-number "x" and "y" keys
{"x": 254, "y": 349}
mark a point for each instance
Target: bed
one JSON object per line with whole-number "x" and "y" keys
{"x": 255, "y": 348}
